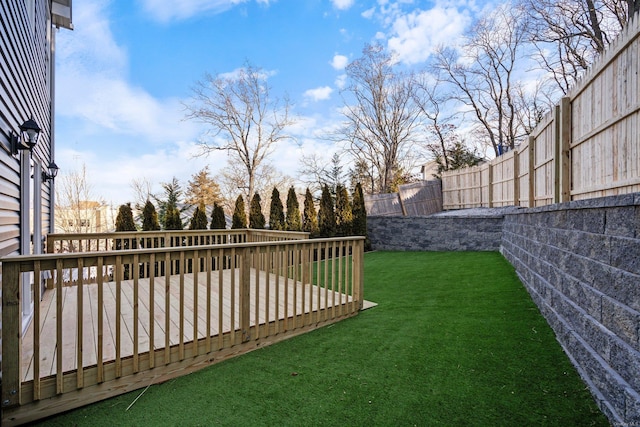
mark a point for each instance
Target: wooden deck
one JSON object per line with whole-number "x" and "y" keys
{"x": 162, "y": 322}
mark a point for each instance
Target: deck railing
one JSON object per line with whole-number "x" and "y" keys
{"x": 83, "y": 242}
{"x": 117, "y": 241}
{"x": 122, "y": 333}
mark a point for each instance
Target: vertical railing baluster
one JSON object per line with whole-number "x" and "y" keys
{"x": 80, "y": 325}
{"x": 208, "y": 269}
{"x": 221, "y": 261}
{"x": 256, "y": 268}
{"x": 36, "y": 329}
{"x": 182, "y": 268}
{"x": 196, "y": 272}
{"x": 118, "y": 320}
{"x": 136, "y": 283}
{"x": 167, "y": 307}
{"x": 233, "y": 295}
{"x": 152, "y": 294}
{"x": 278, "y": 273}
{"x": 286, "y": 286}
{"x": 100, "y": 356}
{"x": 244, "y": 294}
{"x": 59, "y": 342}
{"x": 267, "y": 286}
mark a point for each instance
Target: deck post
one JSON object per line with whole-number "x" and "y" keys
{"x": 359, "y": 270}
{"x": 11, "y": 334}
{"x": 245, "y": 298}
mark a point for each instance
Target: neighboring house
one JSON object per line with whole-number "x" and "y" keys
{"x": 86, "y": 217}
{"x": 27, "y": 34}
{"x": 429, "y": 170}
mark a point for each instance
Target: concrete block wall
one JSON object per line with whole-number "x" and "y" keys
{"x": 580, "y": 261}
{"x": 436, "y": 233}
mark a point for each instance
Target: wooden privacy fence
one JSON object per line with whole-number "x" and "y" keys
{"x": 587, "y": 147}
{"x": 415, "y": 199}
{"x": 91, "y": 341}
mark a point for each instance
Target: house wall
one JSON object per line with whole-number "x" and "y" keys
{"x": 580, "y": 261}
{"x": 25, "y": 92}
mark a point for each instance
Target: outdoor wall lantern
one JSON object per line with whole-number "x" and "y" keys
{"x": 28, "y": 137}
{"x": 52, "y": 172}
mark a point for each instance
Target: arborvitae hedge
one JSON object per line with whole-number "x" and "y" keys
{"x": 172, "y": 220}
{"x": 218, "y": 221}
{"x": 326, "y": 214}
{"x": 150, "y": 217}
{"x": 309, "y": 217}
{"x": 359, "y": 224}
{"x": 344, "y": 218}
{"x": 199, "y": 219}
{"x": 276, "y": 211}
{"x": 124, "y": 220}
{"x": 293, "y": 222}
{"x": 256, "y": 217}
{"x": 239, "y": 219}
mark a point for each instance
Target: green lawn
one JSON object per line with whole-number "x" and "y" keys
{"x": 455, "y": 340}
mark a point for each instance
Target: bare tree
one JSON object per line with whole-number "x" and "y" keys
{"x": 432, "y": 100}
{"x": 77, "y": 209}
{"x": 382, "y": 118}
{"x": 482, "y": 74}
{"x": 232, "y": 181}
{"x": 142, "y": 192}
{"x": 245, "y": 119}
{"x": 315, "y": 172}
{"x": 569, "y": 34}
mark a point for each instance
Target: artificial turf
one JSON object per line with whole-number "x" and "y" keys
{"x": 455, "y": 340}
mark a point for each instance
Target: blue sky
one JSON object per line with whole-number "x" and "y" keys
{"x": 124, "y": 72}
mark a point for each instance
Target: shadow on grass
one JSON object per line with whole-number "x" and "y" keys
{"x": 455, "y": 340}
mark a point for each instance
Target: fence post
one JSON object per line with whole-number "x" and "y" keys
{"x": 563, "y": 151}
{"x": 11, "y": 334}
{"x": 532, "y": 172}
{"x": 245, "y": 294}
{"x": 490, "y": 188}
{"x": 516, "y": 178}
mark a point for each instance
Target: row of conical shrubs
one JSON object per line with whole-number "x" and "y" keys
{"x": 337, "y": 215}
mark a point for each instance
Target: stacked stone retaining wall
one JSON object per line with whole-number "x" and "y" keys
{"x": 477, "y": 230}
{"x": 580, "y": 261}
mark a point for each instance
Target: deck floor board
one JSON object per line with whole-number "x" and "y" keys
{"x": 222, "y": 292}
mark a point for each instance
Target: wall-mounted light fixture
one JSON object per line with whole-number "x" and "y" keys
{"x": 28, "y": 137}
{"x": 50, "y": 173}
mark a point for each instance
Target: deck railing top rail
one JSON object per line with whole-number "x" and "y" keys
{"x": 98, "y": 242}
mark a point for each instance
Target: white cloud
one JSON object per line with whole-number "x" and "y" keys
{"x": 342, "y": 4}
{"x": 111, "y": 177}
{"x": 319, "y": 94}
{"x": 91, "y": 45}
{"x": 339, "y": 62}
{"x": 341, "y": 81}
{"x": 164, "y": 11}
{"x": 368, "y": 14}
{"x": 92, "y": 86}
{"x": 119, "y": 130}
{"x": 418, "y": 34}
